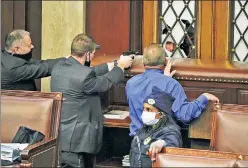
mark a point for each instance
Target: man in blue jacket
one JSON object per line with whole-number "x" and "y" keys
{"x": 156, "y": 74}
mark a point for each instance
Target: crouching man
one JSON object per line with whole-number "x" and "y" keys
{"x": 159, "y": 130}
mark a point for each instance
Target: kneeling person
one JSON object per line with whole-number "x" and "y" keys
{"x": 159, "y": 130}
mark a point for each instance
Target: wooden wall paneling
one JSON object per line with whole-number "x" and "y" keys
{"x": 61, "y": 22}
{"x": 150, "y": 23}
{"x": 212, "y": 34}
{"x": 230, "y": 89}
{"x": 136, "y": 25}
{"x": 33, "y": 25}
{"x": 242, "y": 97}
{"x": 7, "y": 16}
{"x": 23, "y": 15}
{"x": 119, "y": 95}
{"x": 193, "y": 92}
{"x": 224, "y": 94}
{"x": 205, "y": 31}
{"x": 221, "y": 32}
{"x": 111, "y": 96}
{"x": 19, "y": 14}
{"x": 108, "y": 23}
{"x": 201, "y": 128}
{"x": 230, "y": 97}
{"x": 104, "y": 100}
{"x": 205, "y": 28}
{"x": 13, "y": 15}
{"x": 205, "y": 84}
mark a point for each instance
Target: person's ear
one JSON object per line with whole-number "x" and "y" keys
{"x": 88, "y": 56}
{"x": 16, "y": 50}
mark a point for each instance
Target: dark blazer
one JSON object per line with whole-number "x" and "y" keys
{"x": 81, "y": 117}
{"x": 19, "y": 74}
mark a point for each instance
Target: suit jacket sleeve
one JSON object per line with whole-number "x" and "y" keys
{"x": 34, "y": 69}
{"x": 50, "y": 62}
{"x": 96, "y": 84}
{"x": 101, "y": 69}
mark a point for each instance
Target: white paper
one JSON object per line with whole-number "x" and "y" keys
{"x": 116, "y": 114}
{"x": 8, "y": 148}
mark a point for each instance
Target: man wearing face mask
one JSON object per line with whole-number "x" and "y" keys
{"x": 159, "y": 130}
{"x": 81, "y": 116}
{"x": 18, "y": 69}
{"x": 159, "y": 75}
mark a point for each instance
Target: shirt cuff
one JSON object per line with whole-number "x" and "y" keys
{"x": 165, "y": 144}
{"x": 111, "y": 65}
{"x": 203, "y": 99}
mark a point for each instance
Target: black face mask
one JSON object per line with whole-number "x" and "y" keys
{"x": 26, "y": 57}
{"x": 87, "y": 63}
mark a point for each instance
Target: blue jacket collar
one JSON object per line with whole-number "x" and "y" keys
{"x": 148, "y": 71}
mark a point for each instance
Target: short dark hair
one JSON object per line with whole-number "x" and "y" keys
{"x": 82, "y": 44}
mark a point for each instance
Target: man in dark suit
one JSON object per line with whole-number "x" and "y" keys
{"x": 81, "y": 117}
{"x": 18, "y": 69}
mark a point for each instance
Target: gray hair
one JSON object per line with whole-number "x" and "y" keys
{"x": 154, "y": 55}
{"x": 15, "y": 38}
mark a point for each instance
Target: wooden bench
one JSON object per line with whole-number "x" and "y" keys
{"x": 230, "y": 129}
{"x": 201, "y": 128}
{"x": 38, "y": 111}
{"x": 182, "y": 157}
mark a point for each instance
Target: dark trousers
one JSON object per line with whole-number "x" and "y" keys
{"x": 82, "y": 160}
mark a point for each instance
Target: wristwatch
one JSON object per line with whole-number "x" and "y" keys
{"x": 115, "y": 63}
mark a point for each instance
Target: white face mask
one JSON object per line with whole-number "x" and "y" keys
{"x": 148, "y": 118}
